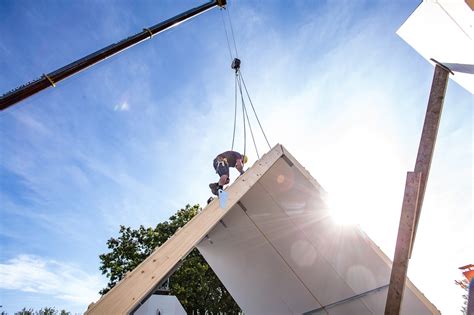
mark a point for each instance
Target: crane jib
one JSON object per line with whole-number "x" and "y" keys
{"x": 51, "y": 79}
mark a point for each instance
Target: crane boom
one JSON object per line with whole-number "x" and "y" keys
{"x": 48, "y": 80}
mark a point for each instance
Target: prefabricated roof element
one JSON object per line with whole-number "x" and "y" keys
{"x": 279, "y": 251}
{"x": 276, "y": 249}
{"x": 444, "y": 30}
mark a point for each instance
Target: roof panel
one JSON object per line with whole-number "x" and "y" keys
{"x": 294, "y": 247}
{"x": 337, "y": 265}
{"x": 261, "y": 281}
{"x": 444, "y": 30}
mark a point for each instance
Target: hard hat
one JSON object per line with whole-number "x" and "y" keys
{"x": 245, "y": 159}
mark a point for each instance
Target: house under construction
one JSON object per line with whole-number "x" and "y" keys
{"x": 277, "y": 250}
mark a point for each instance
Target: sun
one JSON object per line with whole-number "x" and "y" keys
{"x": 346, "y": 209}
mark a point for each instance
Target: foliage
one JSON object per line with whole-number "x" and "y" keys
{"x": 465, "y": 286}
{"x": 43, "y": 311}
{"x": 195, "y": 284}
{"x": 25, "y": 311}
{"x": 47, "y": 311}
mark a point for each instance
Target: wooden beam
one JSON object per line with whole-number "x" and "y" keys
{"x": 413, "y": 198}
{"x": 429, "y": 134}
{"x": 404, "y": 241}
{"x": 137, "y": 285}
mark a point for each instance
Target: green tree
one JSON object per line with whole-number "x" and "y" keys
{"x": 465, "y": 286}
{"x": 47, "y": 311}
{"x": 43, "y": 311}
{"x": 194, "y": 283}
{"x": 25, "y": 311}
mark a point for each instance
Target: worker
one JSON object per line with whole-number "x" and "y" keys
{"x": 222, "y": 163}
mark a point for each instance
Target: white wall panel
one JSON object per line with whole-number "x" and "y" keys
{"x": 252, "y": 271}
{"x": 303, "y": 258}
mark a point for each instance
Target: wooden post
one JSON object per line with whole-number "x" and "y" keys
{"x": 402, "y": 249}
{"x": 429, "y": 133}
{"x": 415, "y": 190}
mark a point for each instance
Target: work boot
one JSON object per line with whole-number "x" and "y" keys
{"x": 214, "y": 188}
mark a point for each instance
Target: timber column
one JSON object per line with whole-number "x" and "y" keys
{"x": 415, "y": 190}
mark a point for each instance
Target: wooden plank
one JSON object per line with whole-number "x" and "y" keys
{"x": 140, "y": 282}
{"x": 404, "y": 241}
{"x": 429, "y": 134}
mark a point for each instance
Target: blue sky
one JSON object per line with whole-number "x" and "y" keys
{"x": 131, "y": 140}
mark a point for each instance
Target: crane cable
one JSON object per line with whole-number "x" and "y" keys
{"x": 255, "y": 112}
{"x": 226, "y": 35}
{"x": 239, "y": 82}
{"x": 235, "y": 111}
{"x": 244, "y": 110}
{"x": 231, "y": 55}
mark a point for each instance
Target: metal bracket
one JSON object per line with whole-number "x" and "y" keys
{"x": 241, "y": 205}
{"x": 441, "y": 65}
{"x": 287, "y": 160}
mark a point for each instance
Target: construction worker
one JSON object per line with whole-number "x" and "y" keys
{"x": 222, "y": 163}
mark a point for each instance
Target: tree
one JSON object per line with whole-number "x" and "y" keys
{"x": 25, "y": 311}
{"x": 194, "y": 283}
{"x": 465, "y": 286}
{"x": 43, "y": 311}
{"x": 47, "y": 311}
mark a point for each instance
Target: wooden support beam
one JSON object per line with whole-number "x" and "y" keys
{"x": 429, "y": 134}
{"x": 415, "y": 191}
{"x": 404, "y": 240}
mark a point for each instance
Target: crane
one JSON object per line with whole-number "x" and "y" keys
{"x": 51, "y": 79}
